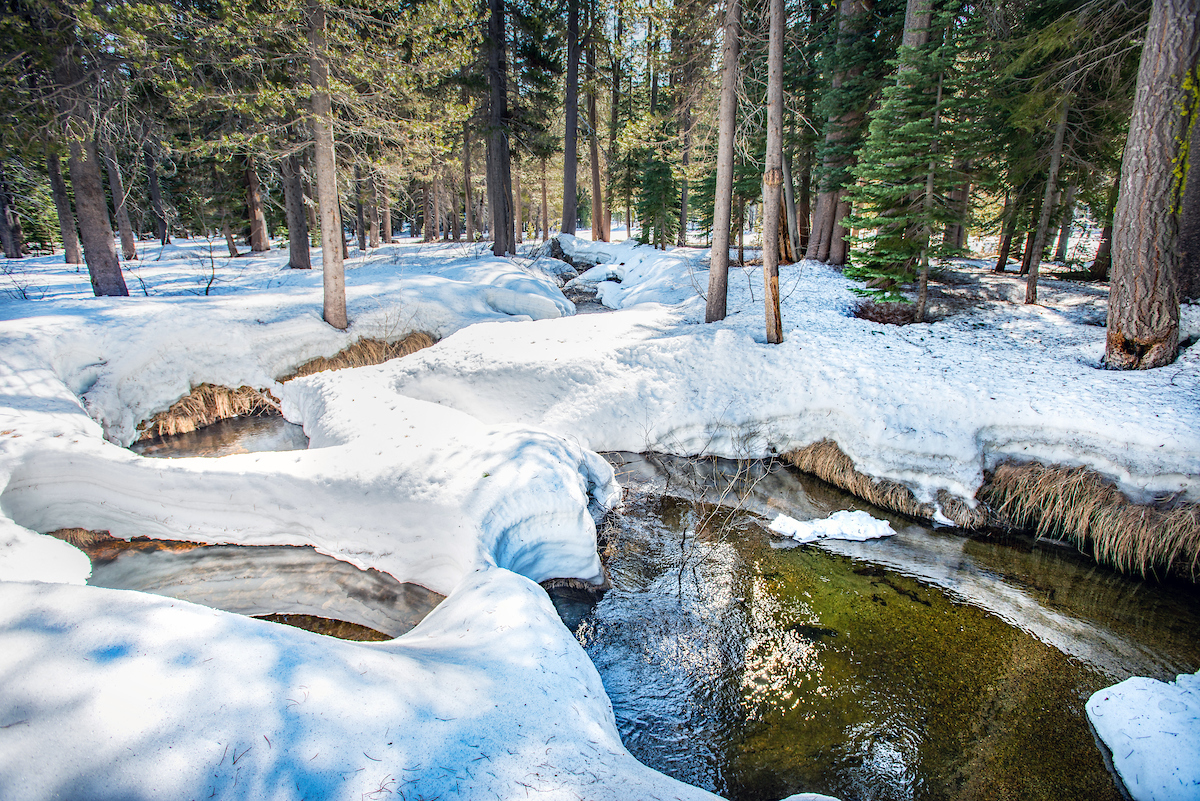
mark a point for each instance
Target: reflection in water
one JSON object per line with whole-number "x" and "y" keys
{"x": 266, "y": 580}
{"x": 227, "y": 437}
{"x": 924, "y": 666}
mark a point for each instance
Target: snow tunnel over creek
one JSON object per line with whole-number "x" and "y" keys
{"x": 920, "y": 666}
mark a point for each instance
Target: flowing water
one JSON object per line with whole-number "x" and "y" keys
{"x": 923, "y": 666}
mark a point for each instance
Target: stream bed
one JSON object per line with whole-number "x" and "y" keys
{"x": 927, "y": 665}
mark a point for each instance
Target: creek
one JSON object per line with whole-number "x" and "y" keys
{"x": 927, "y": 665}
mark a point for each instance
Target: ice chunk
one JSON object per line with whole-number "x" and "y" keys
{"x": 844, "y": 525}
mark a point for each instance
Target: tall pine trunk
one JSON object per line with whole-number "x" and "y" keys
{"x": 299, "y": 257}
{"x": 518, "y": 221}
{"x": 1065, "y": 225}
{"x": 773, "y": 173}
{"x": 372, "y": 211}
{"x": 259, "y": 241}
{"x": 9, "y": 235}
{"x": 498, "y": 169}
{"x": 1143, "y": 307}
{"x": 571, "y": 133}
{"x": 360, "y": 230}
{"x": 1189, "y": 228}
{"x": 1043, "y": 227}
{"x": 385, "y": 213}
{"x": 545, "y": 204}
{"x": 598, "y": 232}
{"x": 718, "y": 260}
{"x": 468, "y": 196}
{"x": 120, "y": 201}
{"x": 62, "y": 204}
{"x": 618, "y": 43}
{"x": 789, "y": 202}
{"x": 332, "y": 242}
{"x": 156, "y": 200}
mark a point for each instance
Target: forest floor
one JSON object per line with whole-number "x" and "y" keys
{"x": 471, "y": 468}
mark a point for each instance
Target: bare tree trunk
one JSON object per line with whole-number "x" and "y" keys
{"x": 498, "y": 152}
{"x": 310, "y": 194}
{"x": 230, "y": 242}
{"x": 572, "y": 119}
{"x": 120, "y": 201}
{"x": 773, "y": 173}
{"x": 519, "y": 222}
{"x": 1008, "y": 227}
{"x": 99, "y": 250}
{"x": 1068, "y": 220}
{"x": 259, "y": 242}
{"x": 372, "y": 211}
{"x": 598, "y": 232}
{"x": 1039, "y": 241}
{"x": 332, "y": 242}
{"x": 9, "y": 235}
{"x": 718, "y": 259}
{"x": 66, "y": 217}
{"x": 299, "y": 257}
{"x": 385, "y": 213}
{"x": 1143, "y": 306}
{"x": 545, "y": 205}
{"x": 360, "y": 230}
{"x": 618, "y": 43}
{"x": 437, "y": 204}
{"x": 427, "y": 213}
{"x": 156, "y": 202}
{"x": 1027, "y": 253}
{"x": 789, "y": 201}
{"x": 468, "y": 197}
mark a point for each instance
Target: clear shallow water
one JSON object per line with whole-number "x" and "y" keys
{"x": 924, "y": 666}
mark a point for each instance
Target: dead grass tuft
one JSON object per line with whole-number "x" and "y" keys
{"x": 891, "y": 313}
{"x": 363, "y": 353}
{"x": 209, "y": 403}
{"x": 1078, "y": 505}
{"x": 826, "y": 461}
{"x": 205, "y": 405}
{"x": 81, "y": 538}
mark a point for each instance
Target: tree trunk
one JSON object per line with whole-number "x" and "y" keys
{"x": 438, "y": 230}
{"x": 66, "y": 217}
{"x": 1189, "y": 227}
{"x": 1027, "y": 253}
{"x": 498, "y": 168}
{"x": 741, "y": 231}
{"x": 789, "y": 201}
{"x": 468, "y": 197}
{"x": 1039, "y": 241}
{"x": 8, "y": 234}
{"x": 385, "y": 213}
{"x": 156, "y": 202}
{"x": 310, "y": 194}
{"x": 773, "y": 173}
{"x": 426, "y": 213}
{"x": 259, "y": 241}
{"x": 230, "y": 242}
{"x": 1143, "y": 306}
{"x": 360, "y": 231}
{"x": 825, "y": 243}
{"x": 598, "y": 232}
{"x": 518, "y": 219}
{"x": 299, "y": 257}
{"x": 718, "y": 259}
{"x": 1008, "y": 227}
{"x": 1068, "y": 219}
{"x": 332, "y": 242}
{"x": 372, "y": 212}
{"x": 618, "y": 43}
{"x": 839, "y": 246}
{"x": 545, "y": 205}
{"x": 120, "y": 202}
{"x": 571, "y": 133}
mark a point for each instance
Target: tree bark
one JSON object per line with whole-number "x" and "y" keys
{"x": 62, "y": 204}
{"x": 618, "y": 43}
{"x": 8, "y": 233}
{"x": 385, "y": 213}
{"x": 789, "y": 201}
{"x": 427, "y": 213}
{"x": 498, "y": 168}
{"x": 372, "y": 211}
{"x": 718, "y": 259}
{"x": 468, "y": 198}
{"x": 299, "y": 257}
{"x": 545, "y": 205}
{"x": 1189, "y": 226}
{"x": 156, "y": 201}
{"x": 360, "y": 230}
{"x": 120, "y": 202}
{"x": 332, "y": 242}
{"x": 518, "y": 220}
{"x": 259, "y": 241}
{"x": 436, "y": 192}
{"x": 1143, "y": 306}
{"x": 570, "y": 136}
{"x": 1039, "y": 240}
{"x": 1008, "y": 227}
{"x": 598, "y": 232}
{"x": 773, "y": 173}
{"x": 230, "y": 242}
{"x": 1067, "y": 221}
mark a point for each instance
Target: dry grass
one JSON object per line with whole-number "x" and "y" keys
{"x": 81, "y": 538}
{"x": 1078, "y": 505}
{"x": 209, "y": 403}
{"x": 887, "y": 313}
{"x": 205, "y": 405}
{"x": 826, "y": 461}
{"x": 363, "y": 353}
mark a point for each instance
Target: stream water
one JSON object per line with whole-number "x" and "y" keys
{"x": 927, "y": 665}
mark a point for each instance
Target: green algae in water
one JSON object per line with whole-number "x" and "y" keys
{"x": 759, "y": 672}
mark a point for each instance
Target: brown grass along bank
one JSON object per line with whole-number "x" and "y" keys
{"x": 1073, "y": 504}
{"x": 209, "y": 403}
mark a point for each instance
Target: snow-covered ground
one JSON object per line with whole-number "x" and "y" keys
{"x": 469, "y": 468}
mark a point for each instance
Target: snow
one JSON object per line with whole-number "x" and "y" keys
{"x": 1152, "y": 729}
{"x": 469, "y": 468}
{"x": 856, "y": 525}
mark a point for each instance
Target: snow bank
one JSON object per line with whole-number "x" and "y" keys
{"x": 856, "y": 525}
{"x": 142, "y": 697}
{"x": 1152, "y": 729}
